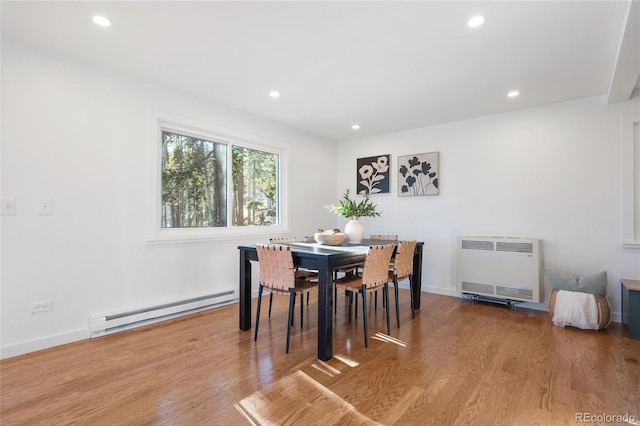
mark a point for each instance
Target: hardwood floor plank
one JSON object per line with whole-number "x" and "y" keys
{"x": 457, "y": 362}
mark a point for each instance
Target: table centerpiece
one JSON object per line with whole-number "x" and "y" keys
{"x": 350, "y": 209}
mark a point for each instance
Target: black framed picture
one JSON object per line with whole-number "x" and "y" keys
{"x": 373, "y": 174}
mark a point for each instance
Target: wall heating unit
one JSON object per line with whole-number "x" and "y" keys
{"x": 503, "y": 269}
{"x": 101, "y": 325}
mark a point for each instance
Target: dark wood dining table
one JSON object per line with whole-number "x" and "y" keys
{"x": 325, "y": 259}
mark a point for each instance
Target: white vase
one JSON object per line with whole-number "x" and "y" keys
{"x": 354, "y": 230}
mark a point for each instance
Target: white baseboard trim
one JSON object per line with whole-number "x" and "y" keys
{"x": 43, "y": 343}
{"x": 445, "y": 291}
{"x": 22, "y": 348}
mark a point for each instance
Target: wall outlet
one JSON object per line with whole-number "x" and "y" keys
{"x": 44, "y": 207}
{"x": 7, "y": 207}
{"x": 37, "y": 307}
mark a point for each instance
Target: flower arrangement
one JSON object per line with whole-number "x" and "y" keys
{"x": 349, "y": 208}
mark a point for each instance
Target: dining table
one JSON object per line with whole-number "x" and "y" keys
{"x": 325, "y": 259}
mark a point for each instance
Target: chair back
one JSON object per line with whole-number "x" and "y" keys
{"x": 403, "y": 261}
{"x": 376, "y": 265}
{"x": 383, "y": 237}
{"x": 276, "y": 267}
{"x": 277, "y": 240}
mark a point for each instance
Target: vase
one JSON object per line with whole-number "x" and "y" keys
{"x": 354, "y": 230}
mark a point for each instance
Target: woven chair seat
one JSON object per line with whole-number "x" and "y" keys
{"x": 304, "y": 286}
{"x": 350, "y": 283}
{"x": 306, "y": 274}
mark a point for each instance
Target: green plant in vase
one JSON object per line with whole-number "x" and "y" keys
{"x": 349, "y": 208}
{"x": 354, "y": 210}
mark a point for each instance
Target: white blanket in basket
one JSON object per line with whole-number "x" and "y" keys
{"x": 576, "y": 309}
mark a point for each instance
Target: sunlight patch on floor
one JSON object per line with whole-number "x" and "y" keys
{"x": 389, "y": 339}
{"x": 350, "y": 362}
{"x": 326, "y": 368}
{"x": 299, "y": 399}
{"x": 245, "y": 414}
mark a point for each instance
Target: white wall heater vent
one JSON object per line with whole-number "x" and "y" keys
{"x": 504, "y": 268}
{"x": 101, "y": 325}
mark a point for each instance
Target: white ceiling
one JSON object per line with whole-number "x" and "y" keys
{"x": 388, "y": 66}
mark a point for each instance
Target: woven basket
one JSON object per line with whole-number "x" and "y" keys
{"x": 604, "y": 309}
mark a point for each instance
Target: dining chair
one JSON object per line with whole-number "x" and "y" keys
{"x": 308, "y": 274}
{"x": 354, "y": 268}
{"x": 374, "y": 277}
{"x": 402, "y": 269}
{"x": 278, "y": 276}
{"x": 351, "y": 269}
{"x": 348, "y": 270}
{"x": 389, "y": 237}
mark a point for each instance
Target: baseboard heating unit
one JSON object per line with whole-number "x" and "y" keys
{"x": 503, "y": 269}
{"x": 101, "y": 325}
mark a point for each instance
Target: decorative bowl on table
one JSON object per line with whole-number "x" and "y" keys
{"x": 329, "y": 239}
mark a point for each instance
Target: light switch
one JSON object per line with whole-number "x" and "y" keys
{"x": 8, "y": 207}
{"x": 44, "y": 207}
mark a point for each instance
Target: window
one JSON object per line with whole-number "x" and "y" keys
{"x": 208, "y": 182}
{"x": 254, "y": 176}
{"x": 630, "y": 174}
{"x": 194, "y": 184}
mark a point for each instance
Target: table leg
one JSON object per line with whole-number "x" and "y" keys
{"x": 245, "y": 291}
{"x": 325, "y": 313}
{"x": 417, "y": 276}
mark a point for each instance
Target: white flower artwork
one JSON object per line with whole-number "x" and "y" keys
{"x": 373, "y": 174}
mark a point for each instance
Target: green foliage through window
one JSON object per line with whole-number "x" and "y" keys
{"x": 255, "y": 187}
{"x": 194, "y": 184}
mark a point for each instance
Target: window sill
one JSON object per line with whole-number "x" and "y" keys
{"x": 189, "y": 236}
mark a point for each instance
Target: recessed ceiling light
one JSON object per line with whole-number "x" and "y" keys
{"x": 274, "y": 94}
{"x": 513, "y": 93}
{"x": 102, "y": 21}
{"x": 476, "y": 21}
{"x": 355, "y": 126}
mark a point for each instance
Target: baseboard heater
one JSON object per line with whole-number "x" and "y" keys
{"x": 101, "y": 325}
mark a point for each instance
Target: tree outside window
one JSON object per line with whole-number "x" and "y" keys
{"x": 195, "y": 180}
{"x": 255, "y": 187}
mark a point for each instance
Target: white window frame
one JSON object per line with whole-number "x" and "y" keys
{"x": 161, "y": 120}
{"x": 629, "y": 172}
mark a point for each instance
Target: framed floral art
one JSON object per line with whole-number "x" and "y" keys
{"x": 419, "y": 174}
{"x": 373, "y": 175}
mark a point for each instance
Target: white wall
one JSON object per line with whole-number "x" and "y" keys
{"x": 77, "y": 134}
{"x": 551, "y": 173}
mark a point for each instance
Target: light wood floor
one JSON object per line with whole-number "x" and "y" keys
{"x": 456, "y": 363}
